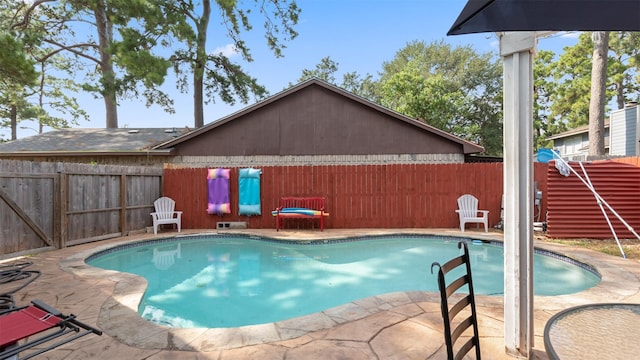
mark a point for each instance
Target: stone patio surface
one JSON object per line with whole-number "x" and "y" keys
{"x": 404, "y": 325}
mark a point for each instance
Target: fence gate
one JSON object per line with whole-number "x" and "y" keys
{"x": 55, "y": 205}
{"x": 28, "y": 205}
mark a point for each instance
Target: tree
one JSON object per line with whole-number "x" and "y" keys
{"x": 325, "y": 70}
{"x": 598, "y": 95}
{"x": 55, "y": 94}
{"x": 17, "y": 74}
{"x": 572, "y": 75}
{"x": 214, "y": 74}
{"x": 454, "y": 89}
{"x": 364, "y": 86}
{"x": 586, "y": 78}
{"x": 14, "y": 107}
{"x": 17, "y": 69}
{"x": 624, "y": 67}
{"x": 352, "y": 81}
{"x": 544, "y": 92}
{"x": 118, "y": 55}
{"x": 432, "y": 99}
{"x": 15, "y": 64}
{"x": 44, "y": 92}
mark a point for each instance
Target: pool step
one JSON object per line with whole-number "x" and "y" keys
{"x": 231, "y": 225}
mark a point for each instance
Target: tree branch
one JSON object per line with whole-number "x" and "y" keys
{"x": 71, "y": 49}
{"x": 27, "y": 14}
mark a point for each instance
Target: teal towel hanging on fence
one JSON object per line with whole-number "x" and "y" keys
{"x": 249, "y": 192}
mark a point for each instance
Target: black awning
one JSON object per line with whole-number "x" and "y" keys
{"x": 547, "y": 15}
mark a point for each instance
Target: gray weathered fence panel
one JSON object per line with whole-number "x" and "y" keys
{"x": 141, "y": 192}
{"x": 27, "y": 209}
{"x": 46, "y": 205}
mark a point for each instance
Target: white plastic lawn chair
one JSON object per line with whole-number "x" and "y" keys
{"x": 165, "y": 213}
{"x": 469, "y": 213}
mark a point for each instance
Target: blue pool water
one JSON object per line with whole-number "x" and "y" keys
{"x": 230, "y": 281}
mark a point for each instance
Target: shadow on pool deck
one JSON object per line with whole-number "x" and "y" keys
{"x": 404, "y": 325}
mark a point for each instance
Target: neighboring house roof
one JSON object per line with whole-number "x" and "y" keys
{"x": 576, "y": 131}
{"x": 122, "y": 141}
{"x": 312, "y": 117}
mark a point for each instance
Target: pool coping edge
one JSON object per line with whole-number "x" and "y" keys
{"x": 121, "y": 306}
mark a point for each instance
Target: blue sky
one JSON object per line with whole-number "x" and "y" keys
{"x": 357, "y": 34}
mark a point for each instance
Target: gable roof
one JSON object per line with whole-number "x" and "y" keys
{"x": 122, "y": 141}
{"x": 575, "y": 131}
{"x": 468, "y": 147}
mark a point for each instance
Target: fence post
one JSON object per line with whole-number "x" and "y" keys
{"x": 64, "y": 208}
{"x": 123, "y": 205}
{"x": 55, "y": 215}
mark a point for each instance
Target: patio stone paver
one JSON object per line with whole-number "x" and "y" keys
{"x": 364, "y": 329}
{"x": 332, "y": 350}
{"x": 410, "y": 310}
{"x": 404, "y": 325}
{"x": 407, "y": 340}
{"x": 262, "y": 352}
{"x": 347, "y": 312}
{"x": 185, "y": 355}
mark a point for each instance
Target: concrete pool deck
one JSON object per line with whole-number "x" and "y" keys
{"x": 404, "y": 325}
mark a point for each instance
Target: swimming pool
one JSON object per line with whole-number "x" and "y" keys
{"x": 229, "y": 281}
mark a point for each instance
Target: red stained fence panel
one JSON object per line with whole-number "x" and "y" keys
{"x": 357, "y": 196}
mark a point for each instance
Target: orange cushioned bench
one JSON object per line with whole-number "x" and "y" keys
{"x": 300, "y": 208}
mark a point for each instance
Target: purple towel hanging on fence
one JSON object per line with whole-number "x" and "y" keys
{"x": 218, "y": 184}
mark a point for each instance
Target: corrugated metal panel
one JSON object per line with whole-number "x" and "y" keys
{"x": 635, "y": 160}
{"x": 573, "y": 211}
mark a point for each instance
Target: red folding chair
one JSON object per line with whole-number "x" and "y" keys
{"x": 38, "y": 327}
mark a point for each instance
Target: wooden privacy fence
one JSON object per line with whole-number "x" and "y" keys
{"x": 54, "y": 205}
{"x": 357, "y": 196}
